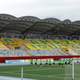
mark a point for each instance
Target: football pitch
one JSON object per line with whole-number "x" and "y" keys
{"x": 42, "y": 72}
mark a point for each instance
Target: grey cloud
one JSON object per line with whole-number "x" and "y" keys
{"x": 42, "y": 8}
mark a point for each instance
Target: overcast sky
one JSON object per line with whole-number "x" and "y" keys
{"x": 61, "y": 9}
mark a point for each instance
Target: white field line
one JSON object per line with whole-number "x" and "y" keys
{"x": 12, "y": 78}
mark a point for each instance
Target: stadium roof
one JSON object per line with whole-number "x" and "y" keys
{"x": 31, "y": 24}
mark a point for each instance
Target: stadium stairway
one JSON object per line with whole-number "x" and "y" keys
{"x": 3, "y": 47}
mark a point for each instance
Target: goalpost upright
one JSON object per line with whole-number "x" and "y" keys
{"x": 73, "y": 76}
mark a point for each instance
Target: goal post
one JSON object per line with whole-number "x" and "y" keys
{"x": 73, "y": 77}
{"x": 22, "y": 72}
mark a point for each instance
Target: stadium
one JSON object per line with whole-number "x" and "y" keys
{"x": 43, "y": 42}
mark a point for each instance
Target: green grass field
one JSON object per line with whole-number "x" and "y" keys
{"x": 42, "y": 72}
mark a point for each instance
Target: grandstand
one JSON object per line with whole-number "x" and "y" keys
{"x": 29, "y": 35}
{"x": 32, "y": 36}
